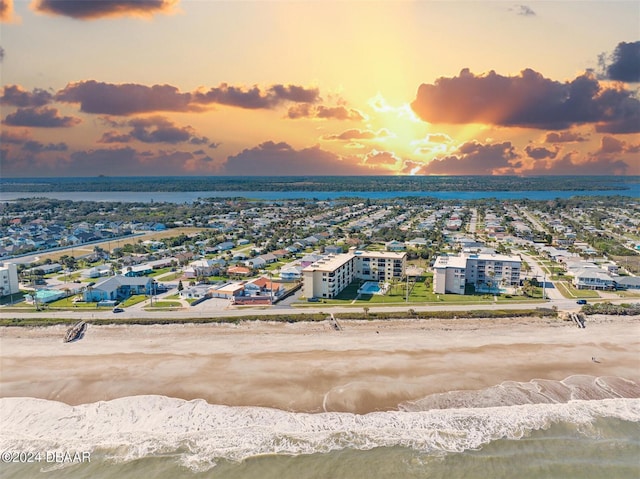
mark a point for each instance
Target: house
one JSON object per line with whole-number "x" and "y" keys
{"x": 256, "y": 263}
{"x": 628, "y": 282}
{"x": 291, "y": 273}
{"x": 394, "y": 246}
{"x": 46, "y": 268}
{"x": 593, "y": 278}
{"x": 195, "y": 292}
{"x": 227, "y": 290}
{"x": 97, "y": 271}
{"x": 263, "y": 287}
{"x": 137, "y": 270}
{"x": 238, "y": 271}
{"x": 280, "y": 253}
{"x": 203, "y": 267}
{"x": 333, "y": 249}
{"x": 117, "y": 288}
{"x": 416, "y": 242}
{"x": 268, "y": 258}
{"x": 225, "y": 246}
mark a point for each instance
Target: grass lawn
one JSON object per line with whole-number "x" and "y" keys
{"x": 171, "y": 277}
{"x": 568, "y": 291}
{"x": 167, "y": 304}
{"x": 131, "y": 300}
{"x": 419, "y": 293}
{"x": 159, "y": 271}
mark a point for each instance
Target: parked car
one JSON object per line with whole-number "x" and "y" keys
{"x": 581, "y": 301}
{"x": 118, "y": 310}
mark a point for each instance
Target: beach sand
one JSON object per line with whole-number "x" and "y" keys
{"x": 310, "y": 367}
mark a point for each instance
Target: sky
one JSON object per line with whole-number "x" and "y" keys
{"x": 315, "y": 87}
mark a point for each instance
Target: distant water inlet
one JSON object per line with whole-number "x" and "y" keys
{"x": 373, "y": 287}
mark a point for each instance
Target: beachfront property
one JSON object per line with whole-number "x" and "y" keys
{"x": 9, "y": 283}
{"x": 118, "y": 288}
{"x": 328, "y": 276}
{"x": 593, "y": 278}
{"x": 451, "y": 274}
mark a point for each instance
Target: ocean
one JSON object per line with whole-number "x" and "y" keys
{"x": 534, "y": 434}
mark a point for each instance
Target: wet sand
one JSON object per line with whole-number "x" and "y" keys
{"x": 368, "y": 366}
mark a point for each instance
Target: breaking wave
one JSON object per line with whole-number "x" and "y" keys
{"x": 201, "y": 434}
{"x": 536, "y": 391}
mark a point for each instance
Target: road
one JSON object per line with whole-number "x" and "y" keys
{"x": 225, "y": 310}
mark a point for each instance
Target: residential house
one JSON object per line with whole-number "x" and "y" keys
{"x": 97, "y": 271}
{"x": 238, "y": 271}
{"x": 593, "y": 278}
{"x": 117, "y": 288}
{"x": 395, "y": 246}
{"x": 291, "y": 273}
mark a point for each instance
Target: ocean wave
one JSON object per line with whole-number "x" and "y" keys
{"x": 200, "y": 434}
{"x": 536, "y": 391}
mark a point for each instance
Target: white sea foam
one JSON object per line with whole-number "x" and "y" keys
{"x": 199, "y": 433}
{"x": 536, "y": 391}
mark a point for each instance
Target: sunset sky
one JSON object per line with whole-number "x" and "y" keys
{"x": 204, "y": 87}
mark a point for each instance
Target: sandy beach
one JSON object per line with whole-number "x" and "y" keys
{"x": 310, "y": 367}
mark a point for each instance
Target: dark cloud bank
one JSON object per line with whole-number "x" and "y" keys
{"x": 528, "y": 100}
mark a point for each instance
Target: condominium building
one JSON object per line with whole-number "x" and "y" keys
{"x": 8, "y": 279}
{"x": 328, "y": 276}
{"x": 488, "y": 272}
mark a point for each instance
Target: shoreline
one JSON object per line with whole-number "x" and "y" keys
{"x": 310, "y": 367}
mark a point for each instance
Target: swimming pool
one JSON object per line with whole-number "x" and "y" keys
{"x": 371, "y": 287}
{"x": 48, "y": 295}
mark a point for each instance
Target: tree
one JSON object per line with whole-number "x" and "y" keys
{"x": 180, "y": 286}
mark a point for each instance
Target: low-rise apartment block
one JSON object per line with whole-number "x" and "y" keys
{"x": 328, "y": 276}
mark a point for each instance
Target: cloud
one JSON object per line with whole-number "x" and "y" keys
{"x": 381, "y": 158}
{"x": 624, "y": 62}
{"x": 254, "y": 98}
{"x": 155, "y": 129}
{"x": 564, "y": 137}
{"x": 356, "y": 134}
{"x": 525, "y": 11}
{"x": 94, "y": 9}
{"x": 339, "y": 113}
{"x": 15, "y": 95}
{"x": 6, "y": 12}
{"x": 438, "y": 138}
{"x": 33, "y": 146}
{"x": 473, "y": 158}
{"x": 574, "y": 164}
{"x": 303, "y": 110}
{"x": 613, "y": 146}
{"x": 11, "y": 138}
{"x": 528, "y": 100}
{"x": 270, "y": 158}
{"x": 323, "y": 112}
{"x": 125, "y": 99}
{"x": 40, "y": 118}
{"x": 131, "y": 98}
{"x": 122, "y": 161}
{"x": 538, "y": 153}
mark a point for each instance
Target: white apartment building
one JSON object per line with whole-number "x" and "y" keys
{"x": 8, "y": 279}
{"x": 452, "y": 273}
{"x": 328, "y": 276}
